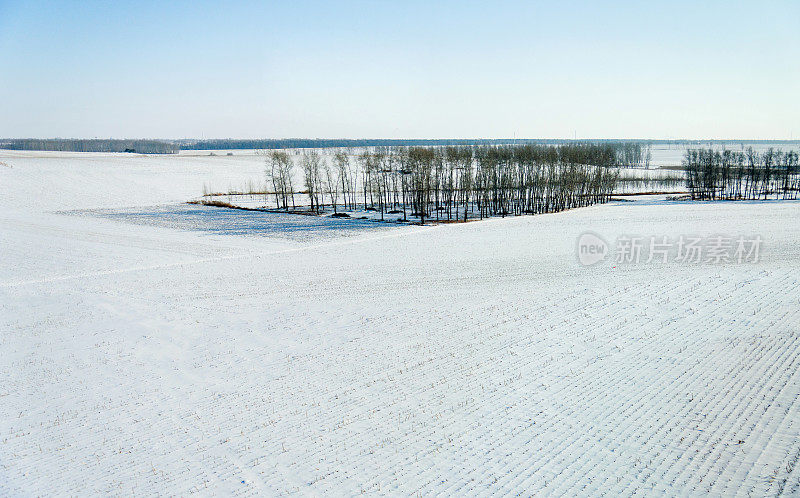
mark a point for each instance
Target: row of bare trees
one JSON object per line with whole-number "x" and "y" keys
{"x": 92, "y": 145}
{"x": 633, "y": 154}
{"x": 449, "y": 183}
{"x": 713, "y": 174}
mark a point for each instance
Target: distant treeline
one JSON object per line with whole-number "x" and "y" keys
{"x": 712, "y": 174}
{"x": 324, "y": 143}
{"x": 450, "y": 182}
{"x": 91, "y": 145}
{"x": 635, "y": 150}
{"x": 319, "y": 143}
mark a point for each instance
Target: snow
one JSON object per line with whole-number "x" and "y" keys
{"x": 479, "y": 358}
{"x": 667, "y": 155}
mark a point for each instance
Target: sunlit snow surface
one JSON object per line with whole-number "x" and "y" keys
{"x": 147, "y": 352}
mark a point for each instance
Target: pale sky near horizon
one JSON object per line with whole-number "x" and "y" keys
{"x": 407, "y": 69}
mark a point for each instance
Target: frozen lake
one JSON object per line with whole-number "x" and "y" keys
{"x": 225, "y": 221}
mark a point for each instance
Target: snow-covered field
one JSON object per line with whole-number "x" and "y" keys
{"x": 143, "y": 357}
{"x": 663, "y": 155}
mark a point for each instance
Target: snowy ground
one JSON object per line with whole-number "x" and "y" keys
{"x": 663, "y": 155}
{"x": 480, "y": 358}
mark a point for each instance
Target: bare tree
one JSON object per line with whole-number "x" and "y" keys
{"x": 279, "y": 173}
{"x": 312, "y": 177}
{"x": 332, "y": 183}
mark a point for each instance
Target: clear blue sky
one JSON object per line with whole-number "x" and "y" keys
{"x": 400, "y": 69}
